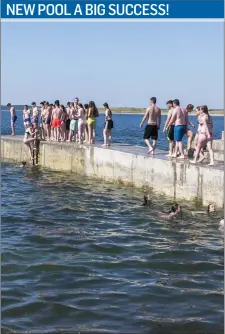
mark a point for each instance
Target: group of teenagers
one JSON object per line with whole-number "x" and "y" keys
{"x": 176, "y": 126}
{"x": 76, "y": 122}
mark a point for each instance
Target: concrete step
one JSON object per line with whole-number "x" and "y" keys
{"x": 218, "y": 145}
{"x": 218, "y": 155}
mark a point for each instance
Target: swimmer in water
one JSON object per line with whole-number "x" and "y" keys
{"x": 175, "y": 209}
{"x": 23, "y": 164}
{"x": 147, "y": 200}
{"x": 210, "y": 208}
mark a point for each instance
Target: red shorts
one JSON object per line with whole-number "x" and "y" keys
{"x": 56, "y": 123}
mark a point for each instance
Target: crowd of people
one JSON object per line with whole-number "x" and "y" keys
{"x": 176, "y": 127}
{"x": 77, "y": 122}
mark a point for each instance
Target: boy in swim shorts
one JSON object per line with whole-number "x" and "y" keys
{"x": 13, "y": 117}
{"x": 170, "y": 131}
{"x": 180, "y": 119}
{"x": 153, "y": 114}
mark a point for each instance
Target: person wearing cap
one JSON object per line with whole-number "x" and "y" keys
{"x": 56, "y": 120}
{"x": 34, "y": 119}
{"x": 13, "y": 118}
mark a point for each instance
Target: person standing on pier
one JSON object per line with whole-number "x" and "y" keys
{"x": 34, "y": 118}
{"x": 56, "y": 120}
{"x": 108, "y": 126}
{"x": 13, "y": 117}
{"x": 189, "y": 133}
{"x": 204, "y": 136}
{"x": 170, "y": 132}
{"x": 180, "y": 119}
{"x": 26, "y": 117}
{"x": 92, "y": 115}
{"x": 153, "y": 114}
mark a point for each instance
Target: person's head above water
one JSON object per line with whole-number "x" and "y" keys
{"x": 176, "y": 103}
{"x": 211, "y": 208}
{"x": 147, "y": 200}
{"x": 175, "y": 208}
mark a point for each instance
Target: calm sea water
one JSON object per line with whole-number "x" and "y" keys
{"x": 83, "y": 256}
{"x": 126, "y": 128}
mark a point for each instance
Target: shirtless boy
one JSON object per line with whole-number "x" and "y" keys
{"x": 13, "y": 117}
{"x": 47, "y": 115}
{"x": 34, "y": 118}
{"x": 153, "y": 114}
{"x": 56, "y": 120}
{"x": 170, "y": 132}
{"x": 180, "y": 119}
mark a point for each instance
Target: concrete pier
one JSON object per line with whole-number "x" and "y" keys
{"x": 129, "y": 165}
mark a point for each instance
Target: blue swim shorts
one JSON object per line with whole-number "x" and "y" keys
{"x": 14, "y": 118}
{"x": 179, "y": 132}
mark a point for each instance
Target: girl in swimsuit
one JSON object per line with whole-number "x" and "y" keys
{"x": 68, "y": 121}
{"x": 92, "y": 115}
{"x": 86, "y": 124}
{"x": 81, "y": 123}
{"x": 63, "y": 123}
{"x": 189, "y": 133}
{"x": 204, "y": 135}
{"x": 107, "y": 131}
{"x": 26, "y": 117}
{"x": 42, "y": 120}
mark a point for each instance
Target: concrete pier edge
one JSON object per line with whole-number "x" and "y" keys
{"x": 128, "y": 165}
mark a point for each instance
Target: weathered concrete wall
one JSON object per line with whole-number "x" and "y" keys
{"x": 179, "y": 180}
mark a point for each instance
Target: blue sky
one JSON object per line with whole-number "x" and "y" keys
{"x": 122, "y": 63}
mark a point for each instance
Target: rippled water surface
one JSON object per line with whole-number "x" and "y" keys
{"x": 81, "y": 256}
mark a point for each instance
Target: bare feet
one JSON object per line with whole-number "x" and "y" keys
{"x": 211, "y": 164}
{"x": 151, "y": 150}
{"x": 201, "y": 159}
{"x": 181, "y": 157}
{"x": 192, "y": 161}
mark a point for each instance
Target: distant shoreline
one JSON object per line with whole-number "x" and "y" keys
{"x": 134, "y": 111}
